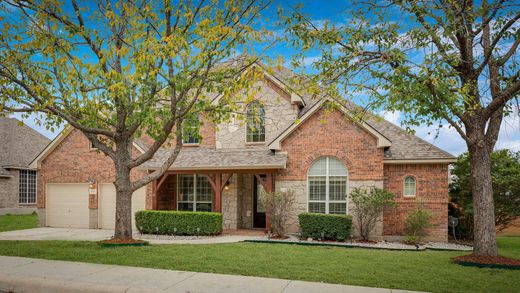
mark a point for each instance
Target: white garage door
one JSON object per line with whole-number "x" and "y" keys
{"x": 67, "y": 205}
{"x": 107, "y": 205}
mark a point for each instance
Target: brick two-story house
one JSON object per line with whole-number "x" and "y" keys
{"x": 295, "y": 145}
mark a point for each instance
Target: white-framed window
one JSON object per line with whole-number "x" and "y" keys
{"x": 27, "y": 187}
{"x": 255, "y": 122}
{"x": 194, "y": 193}
{"x": 327, "y": 183}
{"x": 191, "y": 130}
{"x": 409, "y": 188}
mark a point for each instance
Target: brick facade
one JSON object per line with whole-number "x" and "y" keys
{"x": 325, "y": 133}
{"x": 332, "y": 134}
{"x": 431, "y": 195}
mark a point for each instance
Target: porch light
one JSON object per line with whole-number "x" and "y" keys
{"x": 226, "y": 187}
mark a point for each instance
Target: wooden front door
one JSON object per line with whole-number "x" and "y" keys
{"x": 258, "y": 207}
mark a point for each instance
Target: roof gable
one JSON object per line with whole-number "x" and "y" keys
{"x": 276, "y": 144}
{"x": 19, "y": 144}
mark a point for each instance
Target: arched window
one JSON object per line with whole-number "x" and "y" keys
{"x": 255, "y": 122}
{"x": 327, "y": 181}
{"x": 409, "y": 186}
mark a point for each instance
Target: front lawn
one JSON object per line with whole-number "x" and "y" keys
{"x": 18, "y": 222}
{"x": 424, "y": 271}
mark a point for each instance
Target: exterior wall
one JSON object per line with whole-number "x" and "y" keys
{"x": 167, "y": 194}
{"x": 300, "y": 204}
{"x": 279, "y": 114}
{"x": 431, "y": 194}
{"x": 9, "y": 195}
{"x": 245, "y": 201}
{"x": 230, "y": 205}
{"x": 72, "y": 161}
{"x": 332, "y": 134}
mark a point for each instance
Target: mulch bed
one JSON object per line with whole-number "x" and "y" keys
{"x": 485, "y": 261}
{"x": 366, "y": 241}
{"x": 123, "y": 242}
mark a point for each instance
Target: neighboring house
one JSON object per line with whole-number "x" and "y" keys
{"x": 19, "y": 145}
{"x": 321, "y": 157}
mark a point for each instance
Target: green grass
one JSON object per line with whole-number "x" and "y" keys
{"x": 18, "y": 222}
{"x": 424, "y": 270}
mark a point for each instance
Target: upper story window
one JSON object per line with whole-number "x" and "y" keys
{"x": 27, "y": 187}
{"x": 327, "y": 181}
{"x": 409, "y": 186}
{"x": 191, "y": 130}
{"x": 255, "y": 122}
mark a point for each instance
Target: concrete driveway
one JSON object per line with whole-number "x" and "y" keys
{"x": 47, "y": 233}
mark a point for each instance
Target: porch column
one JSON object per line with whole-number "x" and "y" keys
{"x": 154, "y": 194}
{"x": 218, "y": 193}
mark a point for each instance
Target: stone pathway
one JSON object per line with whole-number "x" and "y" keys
{"x": 18, "y": 274}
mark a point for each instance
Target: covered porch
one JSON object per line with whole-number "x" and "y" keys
{"x": 219, "y": 180}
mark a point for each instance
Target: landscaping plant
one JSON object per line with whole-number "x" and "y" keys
{"x": 325, "y": 226}
{"x": 178, "y": 223}
{"x": 279, "y": 210}
{"x": 416, "y": 225}
{"x": 368, "y": 208}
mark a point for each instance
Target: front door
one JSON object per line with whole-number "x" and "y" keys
{"x": 258, "y": 207}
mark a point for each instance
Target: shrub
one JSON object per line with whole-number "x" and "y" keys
{"x": 278, "y": 206}
{"x": 416, "y": 224}
{"x": 324, "y": 226}
{"x": 368, "y": 206}
{"x": 178, "y": 223}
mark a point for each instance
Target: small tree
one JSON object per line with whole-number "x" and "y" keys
{"x": 416, "y": 224}
{"x": 279, "y": 209}
{"x": 369, "y": 204}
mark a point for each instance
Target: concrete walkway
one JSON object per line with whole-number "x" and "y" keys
{"x": 47, "y": 233}
{"x": 18, "y": 274}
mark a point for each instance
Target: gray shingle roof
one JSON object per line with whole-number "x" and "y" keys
{"x": 210, "y": 159}
{"x": 19, "y": 144}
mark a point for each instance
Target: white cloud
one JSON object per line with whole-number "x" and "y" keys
{"x": 392, "y": 116}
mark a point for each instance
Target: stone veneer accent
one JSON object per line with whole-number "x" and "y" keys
{"x": 245, "y": 201}
{"x": 229, "y": 204}
{"x": 300, "y": 206}
{"x": 279, "y": 113}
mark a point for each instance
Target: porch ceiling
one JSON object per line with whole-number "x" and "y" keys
{"x": 197, "y": 158}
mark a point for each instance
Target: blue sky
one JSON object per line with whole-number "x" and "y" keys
{"x": 335, "y": 11}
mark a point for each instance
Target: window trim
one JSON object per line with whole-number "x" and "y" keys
{"x": 27, "y": 189}
{"x": 404, "y": 186}
{"x": 194, "y": 202}
{"x": 247, "y": 126}
{"x": 327, "y": 176}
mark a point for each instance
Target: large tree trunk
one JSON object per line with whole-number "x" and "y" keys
{"x": 484, "y": 242}
{"x": 123, "y": 228}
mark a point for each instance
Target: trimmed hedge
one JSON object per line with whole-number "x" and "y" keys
{"x": 325, "y": 226}
{"x": 178, "y": 223}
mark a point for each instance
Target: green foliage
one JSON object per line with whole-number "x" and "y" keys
{"x": 10, "y": 222}
{"x": 178, "y": 223}
{"x": 279, "y": 209}
{"x": 325, "y": 226}
{"x": 368, "y": 206}
{"x": 416, "y": 225}
{"x": 505, "y": 173}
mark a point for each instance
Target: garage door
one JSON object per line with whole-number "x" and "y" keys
{"x": 107, "y": 205}
{"x": 67, "y": 205}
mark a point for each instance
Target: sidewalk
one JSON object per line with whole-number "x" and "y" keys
{"x": 19, "y": 274}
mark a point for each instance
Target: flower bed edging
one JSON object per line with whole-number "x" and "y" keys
{"x": 332, "y": 245}
{"x": 488, "y": 266}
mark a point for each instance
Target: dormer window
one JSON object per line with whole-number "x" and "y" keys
{"x": 191, "y": 130}
{"x": 255, "y": 123}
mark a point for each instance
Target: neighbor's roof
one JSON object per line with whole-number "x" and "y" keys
{"x": 219, "y": 159}
{"x": 19, "y": 144}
